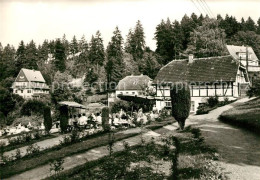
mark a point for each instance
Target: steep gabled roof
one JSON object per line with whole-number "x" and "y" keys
{"x": 223, "y": 68}
{"x": 133, "y": 83}
{"x": 234, "y": 50}
{"x": 30, "y": 75}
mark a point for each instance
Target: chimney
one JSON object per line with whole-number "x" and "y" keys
{"x": 190, "y": 58}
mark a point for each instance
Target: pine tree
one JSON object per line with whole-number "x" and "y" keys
{"x": 43, "y": 52}
{"x": 139, "y": 40}
{"x": 20, "y": 57}
{"x": 178, "y": 39}
{"x": 115, "y": 65}
{"x": 135, "y": 42}
{"x": 129, "y": 44}
{"x": 258, "y": 27}
{"x": 230, "y": 25}
{"x": 96, "y": 50}
{"x": 66, "y": 44}
{"x": 187, "y": 25}
{"x": 31, "y": 56}
{"x": 83, "y": 45}
{"x": 59, "y": 56}
{"x": 242, "y": 25}
{"x": 73, "y": 46}
{"x": 164, "y": 40}
{"x": 7, "y": 62}
{"x": 250, "y": 24}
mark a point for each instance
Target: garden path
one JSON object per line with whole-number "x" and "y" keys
{"x": 95, "y": 153}
{"x": 45, "y": 144}
{"x": 239, "y": 149}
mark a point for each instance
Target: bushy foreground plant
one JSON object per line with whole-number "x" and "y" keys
{"x": 64, "y": 118}
{"x": 181, "y": 103}
{"x": 47, "y": 119}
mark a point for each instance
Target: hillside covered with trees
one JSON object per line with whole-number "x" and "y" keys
{"x": 60, "y": 60}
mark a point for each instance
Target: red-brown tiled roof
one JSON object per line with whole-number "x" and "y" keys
{"x": 223, "y": 68}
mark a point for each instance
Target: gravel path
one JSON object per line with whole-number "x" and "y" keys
{"x": 239, "y": 149}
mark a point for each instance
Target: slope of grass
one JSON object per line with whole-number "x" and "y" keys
{"x": 245, "y": 115}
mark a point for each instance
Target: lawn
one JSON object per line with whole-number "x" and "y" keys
{"x": 245, "y": 115}
{"x": 153, "y": 160}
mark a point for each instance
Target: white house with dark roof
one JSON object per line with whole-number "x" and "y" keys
{"x": 30, "y": 83}
{"x": 133, "y": 85}
{"x": 214, "y": 76}
{"x": 247, "y": 57}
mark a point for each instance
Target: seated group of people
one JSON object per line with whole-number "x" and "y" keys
{"x": 81, "y": 120}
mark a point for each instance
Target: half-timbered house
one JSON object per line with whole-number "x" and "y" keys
{"x": 214, "y": 76}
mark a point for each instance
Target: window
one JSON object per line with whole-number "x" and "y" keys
{"x": 168, "y": 104}
{"x": 15, "y": 91}
{"x": 133, "y": 93}
{"x": 126, "y": 92}
{"x": 28, "y": 91}
{"x": 21, "y": 91}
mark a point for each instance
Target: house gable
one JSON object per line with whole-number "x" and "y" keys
{"x": 21, "y": 77}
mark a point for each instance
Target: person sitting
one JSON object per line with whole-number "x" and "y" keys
{"x": 99, "y": 119}
{"x": 83, "y": 120}
{"x": 75, "y": 120}
{"x": 70, "y": 123}
{"x": 116, "y": 120}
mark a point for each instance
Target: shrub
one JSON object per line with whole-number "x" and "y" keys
{"x": 74, "y": 137}
{"x": 213, "y": 101}
{"x": 56, "y": 166}
{"x": 27, "y": 137}
{"x": 18, "y": 154}
{"x": 255, "y": 89}
{"x": 33, "y": 149}
{"x": 118, "y": 105}
{"x": 64, "y": 117}
{"x": 37, "y": 135}
{"x": 181, "y": 102}
{"x": 105, "y": 119}
{"x": 32, "y": 106}
{"x": 47, "y": 119}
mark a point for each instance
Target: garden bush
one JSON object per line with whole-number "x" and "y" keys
{"x": 47, "y": 119}
{"x": 64, "y": 117}
{"x": 32, "y": 106}
{"x": 181, "y": 103}
{"x": 105, "y": 119}
{"x": 212, "y": 101}
{"x": 255, "y": 89}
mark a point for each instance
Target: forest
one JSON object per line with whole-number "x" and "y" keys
{"x": 60, "y": 60}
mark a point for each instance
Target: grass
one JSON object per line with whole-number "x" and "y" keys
{"x": 245, "y": 115}
{"x": 196, "y": 160}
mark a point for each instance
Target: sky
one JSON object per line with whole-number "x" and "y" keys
{"x": 50, "y": 19}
